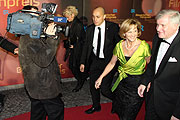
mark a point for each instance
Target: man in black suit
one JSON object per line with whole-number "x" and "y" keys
{"x": 163, "y": 72}
{"x": 10, "y": 47}
{"x": 96, "y": 55}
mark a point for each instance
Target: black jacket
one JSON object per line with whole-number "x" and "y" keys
{"x": 165, "y": 84}
{"x": 5, "y": 44}
{"x": 111, "y": 39}
{"x": 76, "y": 37}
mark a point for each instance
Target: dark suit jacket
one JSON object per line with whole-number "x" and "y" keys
{"x": 39, "y": 66}
{"x": 77, "y": 37}
{"x": 166, "y": 82}
{"x": 5, "y": 44}
{"x": 111, "y": 39}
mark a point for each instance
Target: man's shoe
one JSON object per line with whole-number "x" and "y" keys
{"x": 92, "y": 110}
{"x": 78, "y": 87}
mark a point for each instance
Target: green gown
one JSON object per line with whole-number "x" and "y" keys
{"x": 127, "y": 102}
{"x": 135, "y": 65}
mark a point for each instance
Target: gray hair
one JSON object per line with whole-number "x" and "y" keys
{"x": 174, "y": 15}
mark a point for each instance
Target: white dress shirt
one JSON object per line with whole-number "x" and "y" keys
{"x": 96, "y": 32}
{"x": 163, "y": 49}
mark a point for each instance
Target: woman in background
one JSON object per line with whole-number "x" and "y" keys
{"x": 74, "y": 45}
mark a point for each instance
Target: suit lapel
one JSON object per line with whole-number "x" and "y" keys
{"x": 92, "y": 34}
{"x": 168, "y": 54}
{"x": 156, "y": 46}
{"x": 105, "y": 38}
{"x": 90, "y": 39}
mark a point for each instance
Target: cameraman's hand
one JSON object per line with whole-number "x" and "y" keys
{"x": 16, "y": 51}
{"x": 51, "y": 29}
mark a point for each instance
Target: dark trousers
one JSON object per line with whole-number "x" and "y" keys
{"x": 74, "y": 65}
{"x": 1, "y": 102}
{"x": 53, "y": 108}
{"x": 80, "y": 76}
{"x": 150, "y": 110}
{"x": 96, "y": 68}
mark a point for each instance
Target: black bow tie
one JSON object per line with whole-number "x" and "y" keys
{"x": 165, "y": 42}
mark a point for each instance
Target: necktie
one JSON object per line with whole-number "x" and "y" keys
{"x": 98, "y": 42}
{"x": 165, "y": 41}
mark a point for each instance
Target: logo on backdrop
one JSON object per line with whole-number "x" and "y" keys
{"x": 5, "y": 12}
{"x": 143, "y": 16}
{"x": 115, "y": 11}
{"x": 174, "y": 3}
{"x": 15, "y": 3}
{"x": 142, "y": 27}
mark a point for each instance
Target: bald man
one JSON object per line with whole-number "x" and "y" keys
{"x": 96, "y": 55}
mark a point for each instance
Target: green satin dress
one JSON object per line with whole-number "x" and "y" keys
{"x": 127, "y": 102}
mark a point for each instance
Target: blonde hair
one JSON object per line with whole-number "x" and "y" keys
{"x": 127, "y": 25}
{"x": 70, "y": 10}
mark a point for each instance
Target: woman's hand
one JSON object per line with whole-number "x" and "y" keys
{"x": 82, "y": 67}
{"x": 148, "y": 59}
{"x": 71, "y": 46}
{"x": 98, "y": 83}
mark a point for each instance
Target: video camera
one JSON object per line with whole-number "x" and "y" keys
{"x": 22, "y": 22}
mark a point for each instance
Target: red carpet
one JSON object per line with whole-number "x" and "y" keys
{"x": 77, "y": 113}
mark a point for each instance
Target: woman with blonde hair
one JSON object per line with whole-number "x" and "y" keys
{"x": 75, "y": 44}
{"x": 133, "y": 54}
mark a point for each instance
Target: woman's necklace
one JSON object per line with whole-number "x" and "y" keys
{"x": 131, "y": 47}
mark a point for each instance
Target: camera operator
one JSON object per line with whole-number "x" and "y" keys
{"x": 41, "y": 73}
